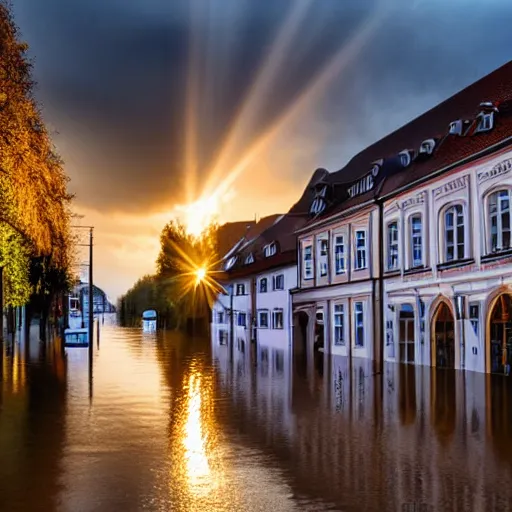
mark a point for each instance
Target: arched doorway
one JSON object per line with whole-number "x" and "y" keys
{"x": 500, "y": 335}
{"x": 443, "y": 340}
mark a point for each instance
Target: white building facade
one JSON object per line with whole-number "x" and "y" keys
{"x": 448, "y": 275}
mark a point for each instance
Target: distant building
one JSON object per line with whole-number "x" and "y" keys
{"x": 259, "y": 272}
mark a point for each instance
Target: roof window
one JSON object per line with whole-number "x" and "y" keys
{"x": 456, "y": 127}
{"x": 405, "y": 157}
{"x": 230, "y": 262}
{"x": 249, "y": 259}
{"x": 318, "y": 205}
{"x": 484, "y": 122}
{"x": 270, "y": 250}
{"x": 427, "y": 147}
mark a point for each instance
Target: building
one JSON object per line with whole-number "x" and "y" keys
{"x": 407, "y": 253}
{"x": 259, "y": 272}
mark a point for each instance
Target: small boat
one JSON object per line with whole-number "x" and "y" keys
{"x": 149, "y": 320}
{"x": 76, "y": 337}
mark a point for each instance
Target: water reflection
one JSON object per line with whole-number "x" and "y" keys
{"x": 178, "y": 424}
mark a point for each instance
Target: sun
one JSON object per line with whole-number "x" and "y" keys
{"x": 200, "y": 274}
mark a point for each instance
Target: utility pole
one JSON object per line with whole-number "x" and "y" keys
{"x": 91, "y": 300}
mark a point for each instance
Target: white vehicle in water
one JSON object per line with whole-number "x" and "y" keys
{"x": 149, "y": 320}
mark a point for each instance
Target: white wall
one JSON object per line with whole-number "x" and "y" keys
{"x": 276, "y": 299}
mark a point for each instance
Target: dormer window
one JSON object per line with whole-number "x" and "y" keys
{"x": 485, "y": 122}
{"x": 427, "y": 147}
{"x": 456, "y": 127}
{"x": 318, "y": 205}
{"x": 270, "y": 250}
{"x": 405, "y": 157}
{"x": 230, "y": 262}
{"x": 249, "y": 259}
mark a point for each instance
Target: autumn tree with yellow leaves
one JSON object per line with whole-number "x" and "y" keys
{"x": 34, "y": 202}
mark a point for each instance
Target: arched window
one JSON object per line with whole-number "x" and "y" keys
{"x": 318, "y": 204}
{"x": 499, "y": 220}
{"x": 454, "y": 243}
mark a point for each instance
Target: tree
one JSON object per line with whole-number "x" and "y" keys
{"x": 34, "y": 203}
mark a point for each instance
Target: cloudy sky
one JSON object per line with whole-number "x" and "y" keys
{"x": 154, "y": 103}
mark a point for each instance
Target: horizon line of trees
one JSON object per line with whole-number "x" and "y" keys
{"x": 35, "y": 206}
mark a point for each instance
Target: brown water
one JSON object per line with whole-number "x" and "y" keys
{"x": 171, "y": 423}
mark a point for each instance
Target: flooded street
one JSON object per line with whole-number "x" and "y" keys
{"x": 174, "y": 423}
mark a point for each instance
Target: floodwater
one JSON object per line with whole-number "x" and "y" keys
{"x": 174, "y": 423}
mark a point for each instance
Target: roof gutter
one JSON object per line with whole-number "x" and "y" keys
{"x": 468, "y": 159}
{"x": 339, "y": 215}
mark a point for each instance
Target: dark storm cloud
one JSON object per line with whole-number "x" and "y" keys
{"x": 113, "y": 74}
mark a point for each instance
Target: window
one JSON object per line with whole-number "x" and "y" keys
{"x": 339, "y": 254}
{"x": 360, "y": 250}
{"x": 484, "y": 122}
{"x": 474, "y": 315}
{"x": 263, "y": 319}
{"x": 277, "y": 319}
{"x": 405, "y": 157}
{"x": 249, "y": 259}
{"x": 499, "y": 220}
{"x": 240, "y": 289}
{"x": 263, "y": 285}
{"x": 359, "y": 324}
{"x": 454, "y": 233}
{"x": 270, "y": 250}
{"x": 308, "y": 262}
{"x": 416, "y": 241}
{"x": 427, "y": 147}
{"x": 339, "y": 338}
{"x": 456, "y": 127}
{"x": 223, "y": 338}
{"x": 318, "y": 205}
{"x": 392, "y": 245}
{"x": 220, "y": 317}
{"x": 242, "y": 319}
{"x": 323, "y": 250}
{"x": 230, "y": 262}
{"x": 279, "y": 282}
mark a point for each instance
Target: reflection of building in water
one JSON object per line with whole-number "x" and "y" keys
{"x": 415, "y": 434}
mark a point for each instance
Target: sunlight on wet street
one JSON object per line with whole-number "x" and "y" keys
{"x": 171, "y": 422}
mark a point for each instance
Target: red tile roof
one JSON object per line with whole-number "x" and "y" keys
{"x": 495, "y": 87}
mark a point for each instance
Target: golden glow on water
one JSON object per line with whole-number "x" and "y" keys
{"x": 194, "y": 437}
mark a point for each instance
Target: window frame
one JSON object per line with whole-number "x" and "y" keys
{"x": 474, "y": 319}
{"x": 484, "y": 122}
{"x": 310, "y": 266}
{"x": 249, "y": 259}
{"x": 413, "y": 263}
{"x": 361, "y": 250}
{"x": 339, "y": 271}
{"x": 274, "y": 282}
{"x": 275, "y": 312}
{"x": 240, "y": 286}
{"x": 260, "y": 283}
{"x": 270, "y": 250}
{"x": 263, "y": 312}
{"x": 444, "y": 233}
{"x": 238, "y": 315}
{"x": 220, "y": 317}
{"x": 499, "y": 220}
{"x": 323, "y": 256}
{"x": 361, "y": 326}
{"x": 338, "y": 327}
{"x": 393, "y": 243}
